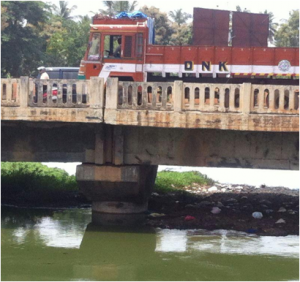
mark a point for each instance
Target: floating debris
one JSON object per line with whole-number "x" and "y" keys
{"x": 282, "y": 209}
{"x": 156, "y": 214}
{"x": 257, "y": 215}
{"x": 215, "y": 210}
{"x": 189, "y": 218}
{"x": 279, "y": 221}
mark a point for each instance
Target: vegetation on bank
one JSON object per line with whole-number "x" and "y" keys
{"x": 170, "y": 181}
{"x": 19, "y": 178}
{"x": 29, "y": 177}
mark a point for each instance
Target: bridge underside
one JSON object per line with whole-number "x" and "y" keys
{"x": 120, "y": 162}
{"x": 131, "y": 145}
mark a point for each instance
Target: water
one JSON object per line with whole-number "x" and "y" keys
{"x": 64, "y": 245}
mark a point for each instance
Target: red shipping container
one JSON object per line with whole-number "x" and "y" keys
{"x": 250, "y": 30}
{"x": 210, "y": 27}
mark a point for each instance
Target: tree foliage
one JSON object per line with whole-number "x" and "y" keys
{"x": 182, "y": 34}
{"x": 4, "y": 18}
{"x": 21, "y": 42}
{"x": 179, "y": 17}
{"x": 26, "y": 177}
{"x": 287, "y": 34}
{"x": 115, "y": 7}
{"x": 68, "y": 42}
{"x": 64, "y": 11}
{"x": 35, "y": 34}
{"x": 163, "y": 29}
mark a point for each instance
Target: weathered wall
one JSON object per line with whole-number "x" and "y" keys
{"x": 47, "y": 142}
{"x": 124, "y": 145}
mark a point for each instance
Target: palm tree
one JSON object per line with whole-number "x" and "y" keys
{"x": 109, "y": 9}
{"x": 179, "y": 17}
{"x": 272, "y": 26}
{"x": 64, "y": 11}
{"x": 115, "y": 7}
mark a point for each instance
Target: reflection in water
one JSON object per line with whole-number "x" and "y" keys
{"x": 63, "y": 245}
{"x": 54, "y": 235}
{"x": 226, "y": 242}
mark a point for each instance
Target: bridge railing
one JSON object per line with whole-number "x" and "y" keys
{"x": 145, "y": 95}
{"x": 212, "y": 97}
{"x": 275, "y": 99}
{"x": 52, "y": 93}
{"x": 62, "y": 93}
{"x": 10, "y": 92}
{"x": 179, "y": 96}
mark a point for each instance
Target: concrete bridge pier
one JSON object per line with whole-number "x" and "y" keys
{"x": 119, "y": 194}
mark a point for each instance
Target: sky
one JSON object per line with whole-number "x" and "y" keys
{"x": 280, "y": 9}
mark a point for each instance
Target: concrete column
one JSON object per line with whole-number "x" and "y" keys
{"x": 24, "y": 91}
{"x": 178, "y": 95}
{"x": 111, "y": 101}
{"x": 116, "y": 190}
{"x": 97, "y": 92}
{"x": 246, "y": 100}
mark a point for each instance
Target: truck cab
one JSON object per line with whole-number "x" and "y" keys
{"x": 116, "y": 48}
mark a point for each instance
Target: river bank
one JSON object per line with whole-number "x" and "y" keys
{"x": 181, "y": 200}
{"x": 230, "y": 207}
{"x": 220, "y": 206}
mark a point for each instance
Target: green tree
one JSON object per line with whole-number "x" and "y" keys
{"x": 78, "y": 37}
{"x": 182, "y": 34}
{"x": 67, "y": 44}
{"x": 4, "y": 18}
{"x": 115, "y": 7}
{"x": 287, "y": 34}
{"x": 163, "y": 28}
{"x": 179, "y": 17}
{"x": 22, "y": 46}
{"x": 64, "y": 11}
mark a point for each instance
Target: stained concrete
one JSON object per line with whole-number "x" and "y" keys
{"x": 134, "y": 145}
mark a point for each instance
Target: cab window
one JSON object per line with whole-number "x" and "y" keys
{"x": 112, "y": 46}
{"x": 94, "y": 48}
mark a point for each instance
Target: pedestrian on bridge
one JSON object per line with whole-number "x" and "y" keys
{"x": 44, "y": 75}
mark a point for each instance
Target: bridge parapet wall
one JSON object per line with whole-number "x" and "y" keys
{"x": 10, "y": 92}
{"x": 52, "y": 100}
{"x": 194, "y": 105}
{"x": 157, "y": 104}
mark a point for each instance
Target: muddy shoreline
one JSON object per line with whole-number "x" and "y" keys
{"x": 219, "y": 206}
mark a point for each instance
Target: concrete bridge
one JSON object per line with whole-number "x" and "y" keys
{"x": 121, "y": 132}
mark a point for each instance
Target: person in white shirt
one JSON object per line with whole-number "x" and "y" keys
{"x": 42, "y": 71}
{"x": 44, "y": 76}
